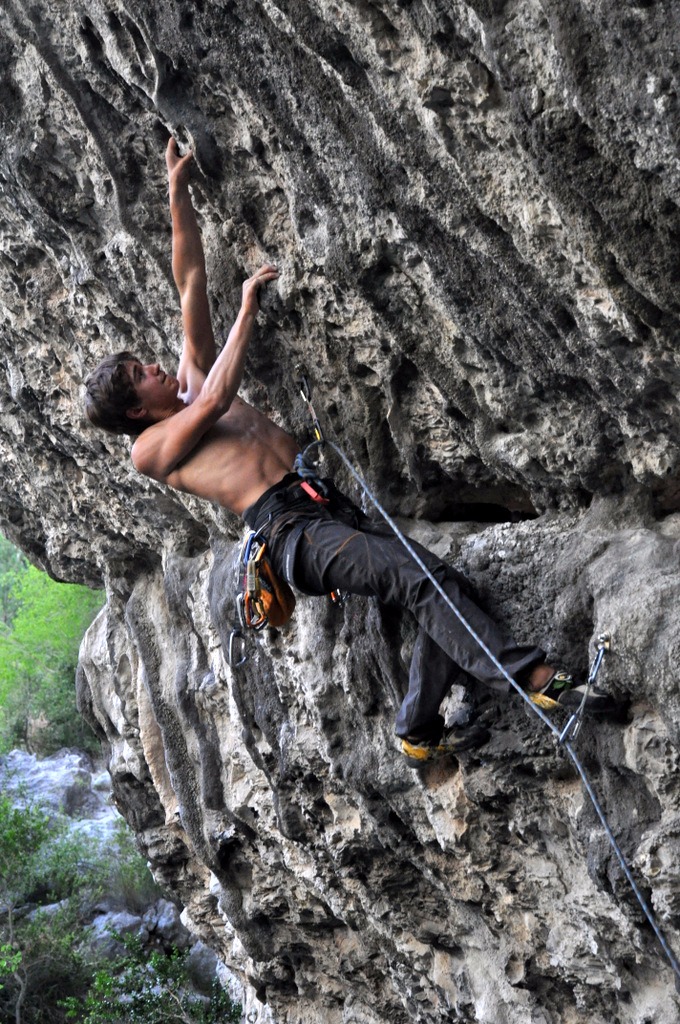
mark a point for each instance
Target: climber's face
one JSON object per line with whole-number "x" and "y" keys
{"x": 155, "y": 389}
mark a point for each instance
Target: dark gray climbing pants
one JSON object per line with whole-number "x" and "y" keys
{"x": 319, "y": 548}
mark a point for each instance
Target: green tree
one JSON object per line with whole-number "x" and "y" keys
{"x": 40, "y": 863}
{"x": 150, "y": 989}
{"x": 39, "y": 642}
{"x": 12, "y": 564}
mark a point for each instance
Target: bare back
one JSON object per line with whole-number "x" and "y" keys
{"x": 237, "y": 460}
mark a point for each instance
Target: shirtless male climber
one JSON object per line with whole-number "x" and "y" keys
{"x": 193, "y": 432}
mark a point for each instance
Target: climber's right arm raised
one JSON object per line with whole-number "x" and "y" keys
{"x": 188, "y": 268}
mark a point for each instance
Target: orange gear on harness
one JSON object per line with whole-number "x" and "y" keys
{"x": 263, "y": 599}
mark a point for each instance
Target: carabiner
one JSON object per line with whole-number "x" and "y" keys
{"x": 573, "y": 726}
{"x": 234, "y": 637}
{"x": 306, "y": 393}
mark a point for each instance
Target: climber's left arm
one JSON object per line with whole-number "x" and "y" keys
{"x": 188, "y": 269}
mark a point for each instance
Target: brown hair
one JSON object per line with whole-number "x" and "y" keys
{"x": 110, "y": 393}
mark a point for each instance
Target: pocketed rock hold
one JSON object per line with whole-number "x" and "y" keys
{"x": 475, "y": 211}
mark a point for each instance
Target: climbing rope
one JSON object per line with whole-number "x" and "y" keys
{"x": 561, "y": 736}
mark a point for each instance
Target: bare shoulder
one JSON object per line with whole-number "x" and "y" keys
{"x": 148, "y": 448}
{"x": 165, "y": 444}
{"x": 142, "y": 449}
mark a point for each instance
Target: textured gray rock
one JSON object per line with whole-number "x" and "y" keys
{"x": 101, "y": 932}
{"x": 475, "y": 210}
{"x": 63, "y": 784}
{"x": 66, "y": 786}
{"x": 489, "y": 891}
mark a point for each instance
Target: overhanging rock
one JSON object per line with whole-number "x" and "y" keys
{"x": 475, "y": 211}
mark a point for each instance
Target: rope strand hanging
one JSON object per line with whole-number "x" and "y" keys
{"x": 560, "y": 735}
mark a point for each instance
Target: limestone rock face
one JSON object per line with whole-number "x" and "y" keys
{"x": 474, "y": 207}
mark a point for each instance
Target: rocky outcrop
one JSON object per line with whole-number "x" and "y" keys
{"x": 75, "y": 792}
{"x": 475, "y": 210}
{"x": 67, "y": 786}
{"x": 345, "y": 886}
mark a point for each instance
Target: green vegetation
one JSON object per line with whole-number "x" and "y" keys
{"x": 41, "y": 865}
{"x": 49, "y": 880}
{"x": 155, "y": 992}
{"x": 41, "y": 626}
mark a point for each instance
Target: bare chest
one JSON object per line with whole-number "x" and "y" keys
{"x": 242, "y": 452}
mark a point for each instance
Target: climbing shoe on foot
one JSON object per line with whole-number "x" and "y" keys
{"x": 454, "y": 741}
{"x": 561, "y": 691}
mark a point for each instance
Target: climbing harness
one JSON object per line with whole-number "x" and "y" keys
{"x": 562, "y": 737}
{"x": 262, "y": 599}
{"x": 311, "y": 483}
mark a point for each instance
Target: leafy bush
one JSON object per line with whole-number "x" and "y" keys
{"x": 9, "y": 960}
{"x": 41, "y": 626}
{"x": 40, "y": 864}
{"x": 149, "y": 989}
{"x": 48, "y": 974}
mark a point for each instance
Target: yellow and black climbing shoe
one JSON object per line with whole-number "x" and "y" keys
{"x": 561, "y": 691}
{"x": 559, "y": 684}
{"x": 454, "y": 741}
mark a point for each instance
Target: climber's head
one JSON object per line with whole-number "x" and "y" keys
{"x": 125, "y": 395}
{"x": 110, "y": 396}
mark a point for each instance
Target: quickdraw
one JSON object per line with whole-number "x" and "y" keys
{"x": 263, "y": 598}
{"x": 573, "y": 726}
{"x": 306, "y": 393}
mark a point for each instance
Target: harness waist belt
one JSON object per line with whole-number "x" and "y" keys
{"x": 251, "y": 514}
